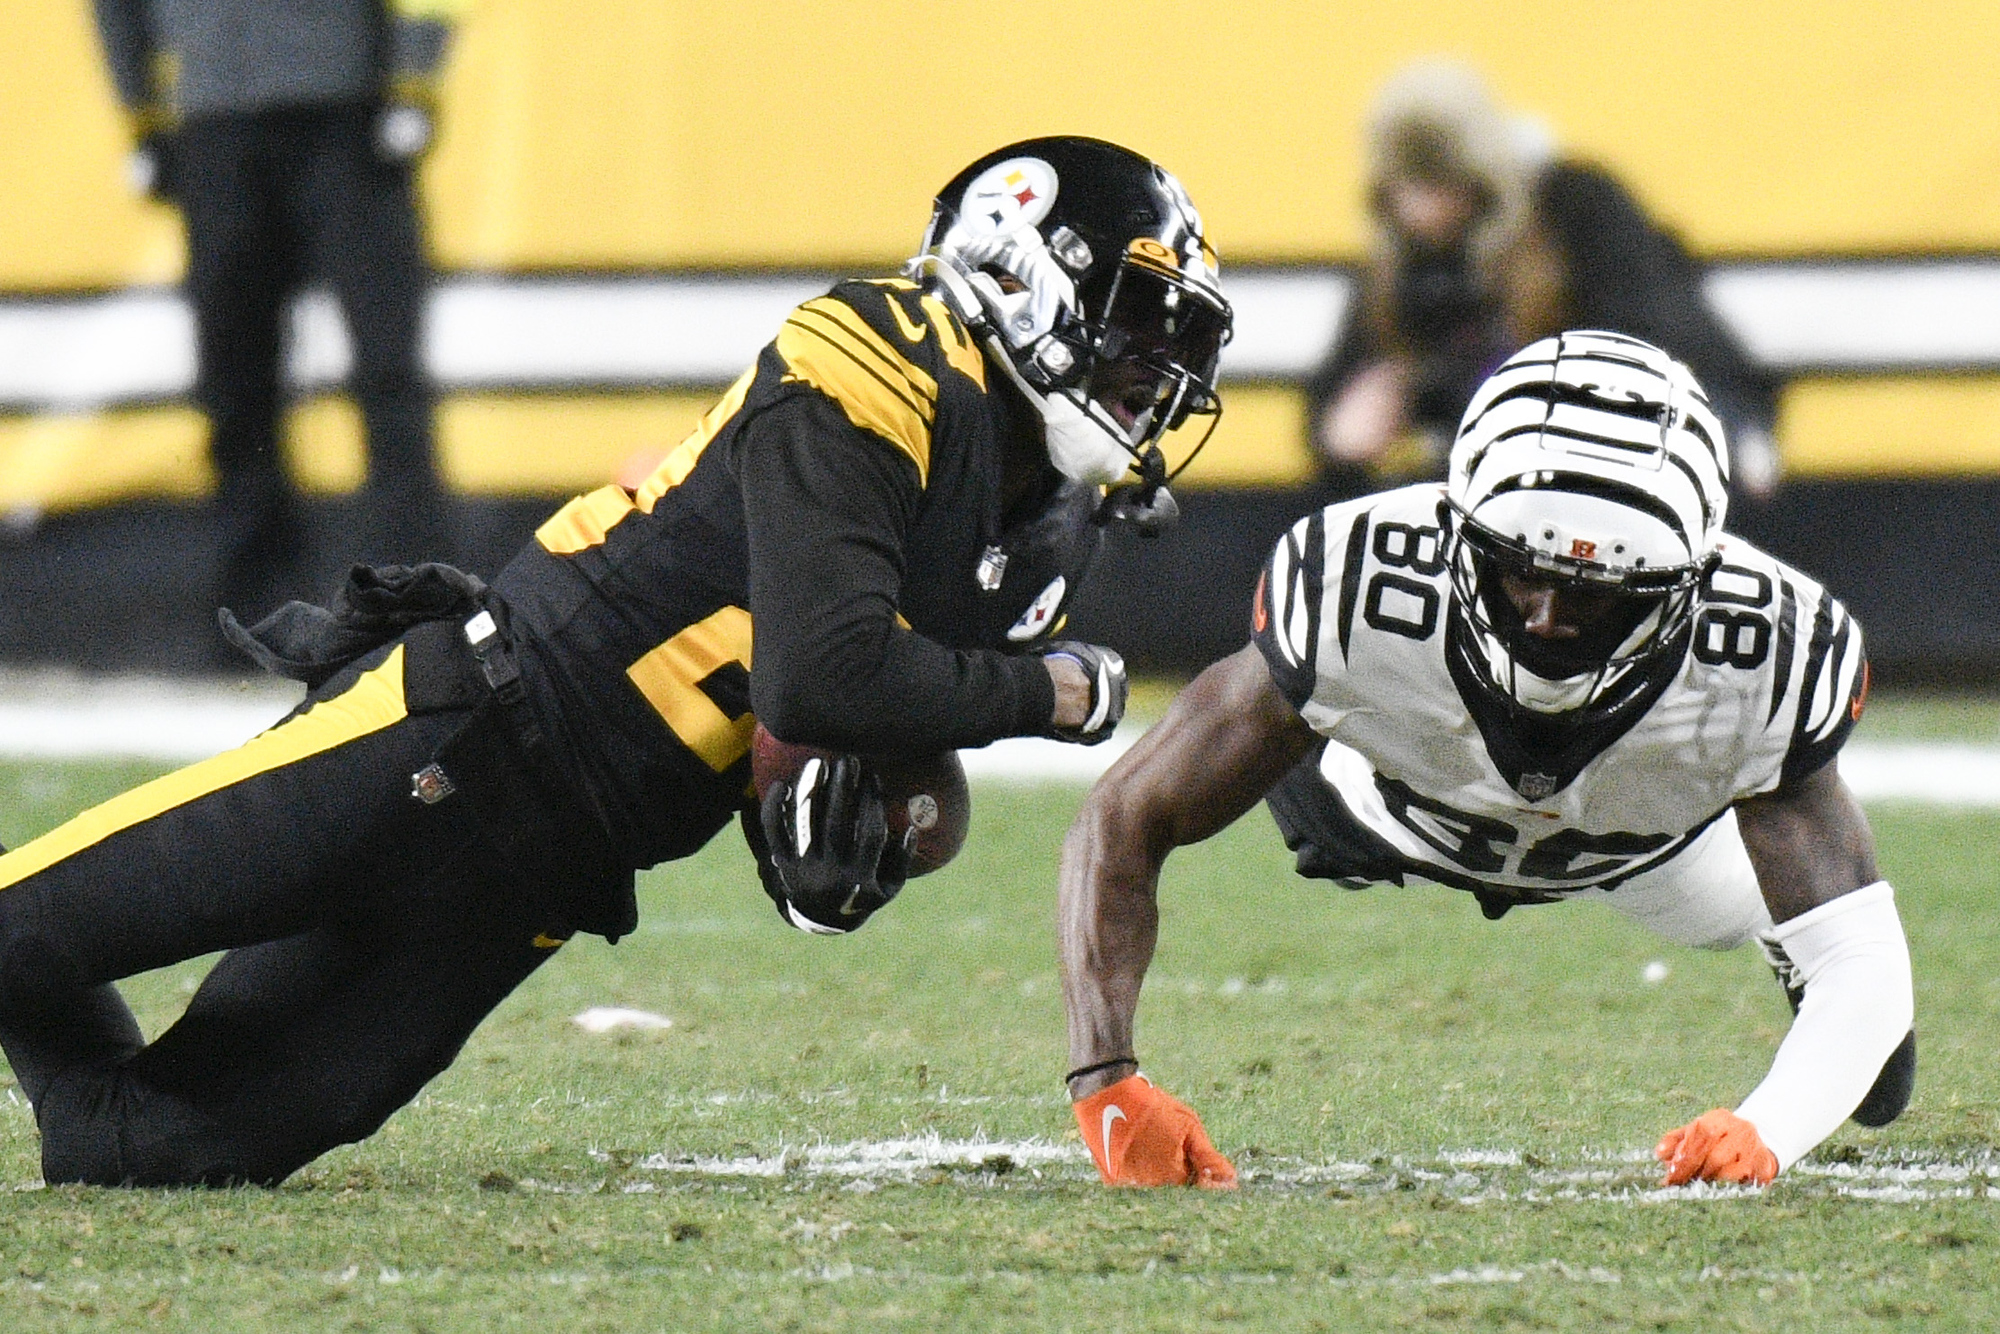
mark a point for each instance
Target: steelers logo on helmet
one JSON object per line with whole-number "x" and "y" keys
{"x": 1591, "y": 464}
{"x": 1009, "y": 195}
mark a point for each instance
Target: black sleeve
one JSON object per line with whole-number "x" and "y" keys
{"x": 826, "y": 506}
{"x": 1631, "y": 276}
{"x": 123, "y": 27}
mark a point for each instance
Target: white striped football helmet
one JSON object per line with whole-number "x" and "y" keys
{"x": 1590, "y": 459}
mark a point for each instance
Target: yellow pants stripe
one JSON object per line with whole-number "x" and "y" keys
{"x": 374, "y": 702}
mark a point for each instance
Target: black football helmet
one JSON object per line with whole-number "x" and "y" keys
{"x": 1082, "y": 269}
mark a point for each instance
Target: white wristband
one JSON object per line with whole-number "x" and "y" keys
{"x": 1858, "y": 1004}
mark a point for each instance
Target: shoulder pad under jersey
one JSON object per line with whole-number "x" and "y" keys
{"x": 879, "y": 350}
{"x": 1309, "y": 593}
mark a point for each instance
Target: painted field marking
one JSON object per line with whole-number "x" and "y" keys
{"x": 879, "y": 1159}
{"x": 610, "y": 1018}
{"x": 1469, "y": 1177}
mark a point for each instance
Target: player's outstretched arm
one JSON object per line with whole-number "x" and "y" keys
{"x": 1227, "y": 738}
{"x": 1835, "y": 922}
{"x": 1809, "y": 845}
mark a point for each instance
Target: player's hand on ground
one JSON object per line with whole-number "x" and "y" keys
{"x": 822, "y": 845}
{"x": 1716, "y": 1146}
{"x": 1090, "y": 690}
{"x": 1140, "y": 1136}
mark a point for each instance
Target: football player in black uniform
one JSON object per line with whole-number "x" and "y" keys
{"x": 892, "y": 506}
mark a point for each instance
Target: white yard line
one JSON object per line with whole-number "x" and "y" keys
{"x": 61, "y": 715}
{"x": 879, "y": 1159}
{"x": 1465, "y": 1176}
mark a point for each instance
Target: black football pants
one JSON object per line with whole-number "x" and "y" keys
{"x": 367, "y": 933}
{"x": 273, "y": 200}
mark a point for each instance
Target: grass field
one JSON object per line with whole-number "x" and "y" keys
{"x": 1442, "y": 1123}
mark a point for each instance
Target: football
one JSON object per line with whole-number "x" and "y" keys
{"x": 927, "y": 794}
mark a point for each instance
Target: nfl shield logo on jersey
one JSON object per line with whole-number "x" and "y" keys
{"x": 1536, "y": 786}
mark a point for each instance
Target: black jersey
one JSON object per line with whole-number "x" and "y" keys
{"x": 826, "y": 551}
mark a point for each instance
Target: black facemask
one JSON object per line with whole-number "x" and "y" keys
{"x": 1560, "y": 659}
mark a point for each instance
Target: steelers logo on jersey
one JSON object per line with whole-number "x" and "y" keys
{"x": 1040, "y": 615}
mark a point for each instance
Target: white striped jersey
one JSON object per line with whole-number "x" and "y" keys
{"x": 1353, "y": 614}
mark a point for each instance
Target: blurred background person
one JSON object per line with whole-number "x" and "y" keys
{"x": 1483, "y": 241}
{"x": 287, "y": 131}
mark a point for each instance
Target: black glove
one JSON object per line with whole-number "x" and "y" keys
{"x": 823, "y": 848}
{"x": 1106, "y": 671}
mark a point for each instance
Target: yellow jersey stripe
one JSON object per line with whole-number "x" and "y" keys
{"x": 875, "y": 355}
{"x": 675, "y": 467}
{"x": 862, "y": 384}
{"x": 371, "y": 704}
{"x": 873, "y": 345}
{"x": 868, "y": 400}
{"x": 670, "y": 678}
{"x": 584, "y": 521}
{"x": 804, "y": 342}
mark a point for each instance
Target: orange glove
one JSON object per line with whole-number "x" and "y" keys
{"x": 1716, "y": 1146}
{"x": 1139, "y": 1136}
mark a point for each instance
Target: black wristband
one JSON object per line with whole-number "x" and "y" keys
{"x": 1101, "y": 1065}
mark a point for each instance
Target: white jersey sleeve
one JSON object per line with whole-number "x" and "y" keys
{"x": 1764, "y": 625}
{"x": 1373, "y": 567}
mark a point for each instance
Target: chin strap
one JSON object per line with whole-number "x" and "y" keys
{"x": 1146, "y": 504}
{"x": 1080, "y": 447}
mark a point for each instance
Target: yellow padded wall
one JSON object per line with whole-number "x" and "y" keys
{"x": 645, "y": 133}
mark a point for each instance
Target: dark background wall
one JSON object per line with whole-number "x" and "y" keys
{"x": 120, "y": 588}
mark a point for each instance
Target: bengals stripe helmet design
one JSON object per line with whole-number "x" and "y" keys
{"x": 1590, "y": 459}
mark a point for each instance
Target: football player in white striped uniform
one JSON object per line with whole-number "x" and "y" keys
{"x": 1553, "y": 677}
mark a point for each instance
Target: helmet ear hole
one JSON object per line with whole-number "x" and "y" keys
{"x": 1008, "y": 284}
